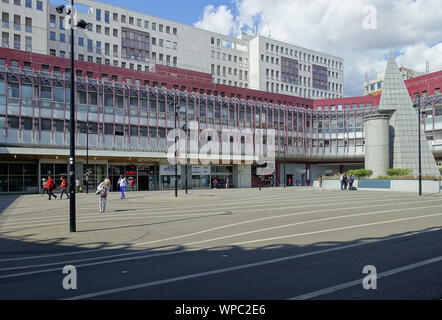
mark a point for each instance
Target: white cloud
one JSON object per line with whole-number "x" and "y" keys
{"x": 335, "y": 27}
{"x": 216, "y": 19}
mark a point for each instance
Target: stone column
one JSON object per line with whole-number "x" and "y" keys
{"x": 377, "y": 144}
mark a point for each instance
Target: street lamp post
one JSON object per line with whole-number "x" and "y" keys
{"x": 285, "y": 177}
{"x": 417, "y": 105}
{"x": 87, "y": 158}
{"x": 185, "y": 154}
{"x": 177, "y": 108}
{"x": 74, "y": 24}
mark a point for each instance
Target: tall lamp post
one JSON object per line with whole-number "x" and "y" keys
{"x": 417, "y": 105}
{"x": 177, "y": 110}
{"x": 185, "y": 153}
{"x": 74, "y": 24}
{"x": 285, "y": 177}
{"x": 87, "y": 158}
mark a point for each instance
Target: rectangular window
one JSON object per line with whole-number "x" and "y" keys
{"x": 17, "y": 41}
{"x": 5, "y": 20}
{"x": 5, "y": 40}
{"x": 17, "y": 22}
{"x": 52, "y": 20}
{"x": 28, "y": 4}
{"x": 40, "y": 5}
{"x": 98, "y": 14}
{"x": 28, "y": 44}
{"x": 28, "y": 24}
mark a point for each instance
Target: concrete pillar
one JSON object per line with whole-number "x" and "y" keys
{"x": 377, "y": 144}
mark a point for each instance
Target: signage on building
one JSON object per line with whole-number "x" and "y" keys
{"x": 201, "y": 170}
{"x": 169, "y": 170}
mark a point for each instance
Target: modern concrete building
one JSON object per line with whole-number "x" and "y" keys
{"x": 128, "y": 124}
{"x": 136, "y": 41}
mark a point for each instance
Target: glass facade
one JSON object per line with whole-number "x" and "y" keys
{"x": 19, "y": 177}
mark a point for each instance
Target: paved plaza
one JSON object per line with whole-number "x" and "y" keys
{"x": 292, "y": 243}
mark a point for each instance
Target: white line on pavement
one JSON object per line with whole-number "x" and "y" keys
{"x": 62, "y": 220}
{"x": 190, "y": 250}
{"x": 210, "y": 230}
{"x": 191, "y": 208}
{"x": 214, "y": 239}
{"x": 350, "y": 284}
{"x": 246, "y": 266}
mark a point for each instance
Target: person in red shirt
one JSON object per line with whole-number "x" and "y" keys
{"x": 132, "y": 181}
{"x": 64, "y": 186}
{"x": 50, "y": 187}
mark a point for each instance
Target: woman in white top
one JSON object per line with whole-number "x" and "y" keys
{"x": 123, "y": 184}
{"x": 104, "y": 188}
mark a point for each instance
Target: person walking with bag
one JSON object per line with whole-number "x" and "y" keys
{"x": 102, "y": 192}
{"x": 123, "y": 184}
{"x": 64, "y": 186}
{"x": 50, "y": 187}
{"x": 351, "y": 179}
{"x": 43, "y": 184}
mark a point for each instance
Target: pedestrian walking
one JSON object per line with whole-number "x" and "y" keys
{"x": 64, "y": 186}
{"x": 341, "y": 179}
{"x": 43, "y": 184}
{"x": 102, "y": 191}
{"x": 132, "y": 182}
{"x": 351, "y": 179}
{"x": 50, "y": 187}
{"x": 78, "y": 185}
{"x": 345, "y": 181}
{"x": 215, "y": 183}
{"x": 123, "y": 184}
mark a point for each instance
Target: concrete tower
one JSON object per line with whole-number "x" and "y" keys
{"x": 396, "y": 102}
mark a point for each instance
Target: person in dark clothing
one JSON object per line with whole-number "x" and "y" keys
{"x": 50, "y": 187}
{"x": 351, "y": 179}
{"x": 345, "y": 180}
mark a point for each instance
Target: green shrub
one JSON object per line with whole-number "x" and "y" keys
{"x": 398, "y": 172}
{"x": 360, "y": 173}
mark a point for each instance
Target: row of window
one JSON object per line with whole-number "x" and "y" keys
{"x": 27, "y": 3}
{"x": 161, "y": 59}
{"x": 229, "y": 71}
{"x": 346, "y": 107}
{"x": 27, "y": 26}
{"x": 17, "y": 42}
{"x": 294, "y": 53}
{"x": 229, "y": 57}
{"x": 131, "y": 21}
{"x": 92, "y": 75}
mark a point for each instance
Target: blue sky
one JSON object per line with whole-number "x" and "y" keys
{"x": 184, "y": 11}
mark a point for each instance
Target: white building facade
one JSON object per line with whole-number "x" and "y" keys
{"x": 133, "y": 40}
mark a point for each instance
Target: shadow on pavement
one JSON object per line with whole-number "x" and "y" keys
{"x": 245, "y": 272}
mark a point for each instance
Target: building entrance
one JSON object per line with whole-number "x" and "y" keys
{"x": 143, "y": 183}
